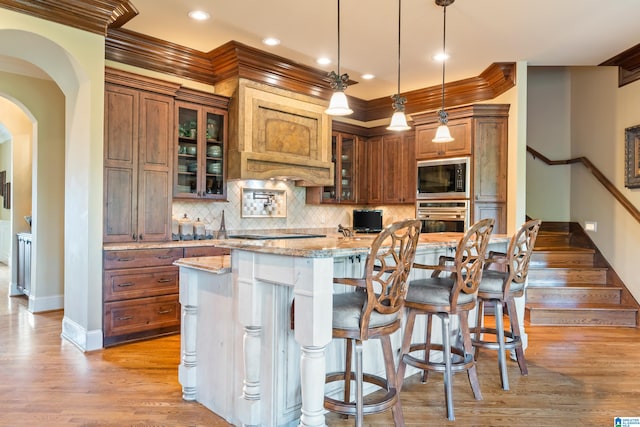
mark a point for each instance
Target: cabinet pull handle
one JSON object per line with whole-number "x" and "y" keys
{"x": 124, "y": 318}
{"x": 126, "y": 259}
{"x": 135, "y": 236}
{"x": 165, "y": 311}
{"x": 165, "y": 280}
{"x": 126, "y": 284}
{"x": 164, "y": 256}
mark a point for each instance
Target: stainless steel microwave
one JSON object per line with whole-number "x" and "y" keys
{"x": 444, "y": 178}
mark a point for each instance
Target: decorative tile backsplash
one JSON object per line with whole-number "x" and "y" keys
{"x": 298, "y": 213}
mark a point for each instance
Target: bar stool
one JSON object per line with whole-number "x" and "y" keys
{"x": 454, "y": 295}
{"x": 374, "y": 310}
{"x": 499, "y": 288}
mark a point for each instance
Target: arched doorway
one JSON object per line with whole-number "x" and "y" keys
{"x": 71, "y": 242}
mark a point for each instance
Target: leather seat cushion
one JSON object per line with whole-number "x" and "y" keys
{"x": 435, "y": 291}
{"x": 347, "y": 310}
{"x": 492, "y": 283}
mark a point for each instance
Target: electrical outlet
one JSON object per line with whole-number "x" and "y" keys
{"x": 591, "y": 226}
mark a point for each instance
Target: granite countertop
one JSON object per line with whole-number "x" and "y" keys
{"x": 333, "y": 245}
{"x": 212, "y": 264}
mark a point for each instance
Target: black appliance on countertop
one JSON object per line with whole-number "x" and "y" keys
{"x": 367, "y": 220}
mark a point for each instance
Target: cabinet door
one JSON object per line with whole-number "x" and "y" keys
{"x": 460, "y": 146}
{"x": 120, "y": 164}
{"x": 497, "y": 211}
{"x": 214, "y": 171}
{"x": 374, "y": 170}
{"x": 398, "y": 177}
{"x": 154, "y": 176}
{"x": 188, "y": 121}
{"x": 490, "y": 159}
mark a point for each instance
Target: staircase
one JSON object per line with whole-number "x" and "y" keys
{"x": 570, "y": 283}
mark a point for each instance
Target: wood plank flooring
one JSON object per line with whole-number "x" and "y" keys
{"x": 578, "y": 376}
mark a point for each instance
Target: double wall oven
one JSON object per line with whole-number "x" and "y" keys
{"x": 443, "y": 194}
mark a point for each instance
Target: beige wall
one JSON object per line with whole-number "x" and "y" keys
{"x": 548, "y": 188}
{"x": 580, "y": 111}
{"x": 600, "y": 111}
{"x": 74, "y": 59}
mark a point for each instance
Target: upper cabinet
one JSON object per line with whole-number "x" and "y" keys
{"x": 460, "y": 146}
{"x": 344, "y": 153}
{"x": 200, "y": 152}
{"x": 398, "y": 168}
{"x": 138, "y": 158}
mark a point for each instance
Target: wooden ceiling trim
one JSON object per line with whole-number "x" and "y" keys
{"x": 150, "y": 53}
{"x": 628, "y": 63}
{"x": 88, "y": 15}
{"x": 493, "y": 81}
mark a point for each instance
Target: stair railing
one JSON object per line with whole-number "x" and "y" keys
{"x": 597, "y": 174}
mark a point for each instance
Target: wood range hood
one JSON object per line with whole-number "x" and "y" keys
{"x": 278, "y": 134}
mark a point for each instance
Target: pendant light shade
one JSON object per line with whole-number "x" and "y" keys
{"x": 442, "y": 133}
{"x": 338, "y": 105}
{"x": 398, "y": 120}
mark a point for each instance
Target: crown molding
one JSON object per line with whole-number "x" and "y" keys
{"x": 628, "y": 63}
{"x": 94, "y": 16}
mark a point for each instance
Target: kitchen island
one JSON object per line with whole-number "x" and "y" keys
{"x": 245, "y": 354}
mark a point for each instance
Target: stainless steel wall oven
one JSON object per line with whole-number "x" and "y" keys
{"x": 443, "y": 215}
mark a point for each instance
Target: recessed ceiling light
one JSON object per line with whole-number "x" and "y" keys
{"x": 441, "y": 56}
{"x": 367, "y": 76}
{"x": 323, "y": 61}
{"x": 199, "y": 15}
{"x": 271, "y": 41}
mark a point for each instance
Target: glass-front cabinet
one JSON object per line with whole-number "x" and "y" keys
{"x": 200, "y": 151}
{"x": 343, "y": 152}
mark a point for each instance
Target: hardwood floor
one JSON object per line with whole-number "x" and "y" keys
{"x": 578, "y": 376}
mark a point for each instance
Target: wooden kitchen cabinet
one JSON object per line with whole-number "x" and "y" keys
{"x": 138, "y": 156}
{"x": 391, "y": 168}
{"x": 461, "y": 145}
{"x": 140, "y": 291}
{"x": 200, "y": 148}
{"x": 140, "y": 294}
{"x": 399, "y": 168}
{"x": 345, "y": 148}
{"x": 481, "y": 132}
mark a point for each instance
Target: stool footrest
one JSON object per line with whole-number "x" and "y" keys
{"x": 464, "y": 362}
{"x": 371, "y": 406}
{"x": 510, "y": 343}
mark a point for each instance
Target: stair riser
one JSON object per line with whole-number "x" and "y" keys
{"x": 559, "y": 294}
{"x": 559, "y": 276}
{"x": 552, "y": 240}
{"x": 561, "y": 259}
{"x": 554, "y": 317}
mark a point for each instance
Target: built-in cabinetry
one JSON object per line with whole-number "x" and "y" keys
{"x": 138, "y": 158}
{"x": 481, "y": 132}
{"x": 140, "y": 291}
{"x": 201, "y": 130}
{"x": 24, "y": 263}
{"x": 344, "y": 154}
{"x": 375, "y": 169}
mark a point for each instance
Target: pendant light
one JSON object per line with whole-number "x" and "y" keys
{"x": 338, "y": 106}
{"x": 398, "y": 120}
{"x": 442, "y": 133}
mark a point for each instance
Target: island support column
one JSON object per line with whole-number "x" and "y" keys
{"x": 313, "y": 322}
{"x": 312, "y": 283}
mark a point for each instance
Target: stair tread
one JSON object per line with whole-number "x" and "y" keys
{"x": 554, "y": 248}
{"x": 580, "y": 306}
{"x": 574, "y": 285}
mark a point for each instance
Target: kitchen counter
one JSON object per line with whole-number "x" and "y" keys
{"x": 241, "y": 357}
{"x": 334, "y": 244}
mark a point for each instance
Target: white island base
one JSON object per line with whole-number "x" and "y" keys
{"x": 240, "y": 357}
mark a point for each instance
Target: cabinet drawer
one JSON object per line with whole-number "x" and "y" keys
{"x": 141, "y": 258}
{"x": 205, "y": 251}
{"x": 142, "y": 314}
{"x": 140, "y": 282}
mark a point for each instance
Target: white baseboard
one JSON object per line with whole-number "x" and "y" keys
{"x": 80, "y": 337}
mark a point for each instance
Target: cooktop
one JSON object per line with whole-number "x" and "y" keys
{"x": 272, "y": 236}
